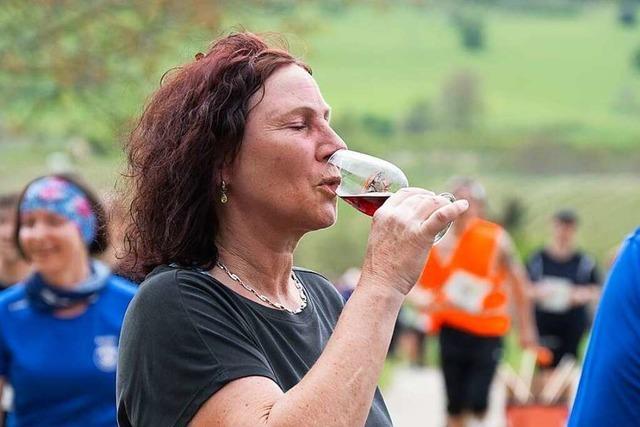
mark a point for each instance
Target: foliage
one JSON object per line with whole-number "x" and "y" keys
{"x": 627, "y": 12}
{"x": 378, "y": 125}
{"x": 78, "y": 67}
{"x": 461, "y": 100}
{"x": 636, "y": 59}
{"x": 471, "y": 30}
{"x": 419, "y": 119}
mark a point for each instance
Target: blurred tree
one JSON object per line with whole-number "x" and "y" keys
{"x": 635, "y": 59}
{"x": 345, "y": 124}
{"x": 461, "y": 100}
{"x": 471, "y": 30}
{"x": 627, "y": 12}
{"x": 378, "y": 125}
{"x": 419, "y": 118}
{"x": 84, "y": 67}
{"x": 513, "y": 215}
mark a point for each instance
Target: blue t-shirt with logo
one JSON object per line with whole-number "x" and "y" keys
{"x": 63, "y": 371}
{"x": 609, "y": 390}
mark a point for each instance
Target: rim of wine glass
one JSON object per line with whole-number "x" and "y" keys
{"x": 355, "y": 155}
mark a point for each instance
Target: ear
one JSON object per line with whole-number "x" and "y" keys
{"x": 224, "y": 175}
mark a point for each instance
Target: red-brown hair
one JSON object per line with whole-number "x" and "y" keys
{"x": 192, "y": 127}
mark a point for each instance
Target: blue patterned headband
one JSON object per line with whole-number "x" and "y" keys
{"x": 63, "y": 198}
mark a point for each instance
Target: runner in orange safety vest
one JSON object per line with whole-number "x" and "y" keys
{"x": 466, "y": 278}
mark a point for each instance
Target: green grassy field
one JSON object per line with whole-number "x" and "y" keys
{"x": 536, "y": 71}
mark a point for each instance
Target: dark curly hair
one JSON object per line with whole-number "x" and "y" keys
{"x": 190, "y": 129}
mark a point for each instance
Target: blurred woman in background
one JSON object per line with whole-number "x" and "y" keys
{"x": 59, "y": 328}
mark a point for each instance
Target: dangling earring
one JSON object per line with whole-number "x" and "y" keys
{"x": 223, "y": 190}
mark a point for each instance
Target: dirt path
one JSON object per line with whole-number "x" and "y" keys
{"x": 416, "y": 398}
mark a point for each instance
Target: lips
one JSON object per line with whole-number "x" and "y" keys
{"x": 331, "y": 183}
{"x": 41, "y": 252}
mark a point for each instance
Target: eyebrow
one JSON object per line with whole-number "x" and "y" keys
{"x": 304, "y": 110}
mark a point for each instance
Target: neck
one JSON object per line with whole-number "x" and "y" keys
{"x": 561, "y": 250}
{"x": 262, "y": 259}
{"x": 13, "y": 271}
{"x": 71, "y": 276}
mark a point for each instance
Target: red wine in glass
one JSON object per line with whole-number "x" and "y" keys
{"x": 367, "y": 203}
{"x": 367, "y": 182}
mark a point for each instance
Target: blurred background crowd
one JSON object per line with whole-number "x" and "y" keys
{"x": 539, "y": 100}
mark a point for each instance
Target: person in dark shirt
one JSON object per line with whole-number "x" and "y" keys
{"x": 229, "y": 167}
{"x": 566, "y": 280}
{"x": 13, "y": 268}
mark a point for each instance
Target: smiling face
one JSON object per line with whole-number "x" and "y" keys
{"x": 281, "y": 171}
{"x": 50, "y": 242}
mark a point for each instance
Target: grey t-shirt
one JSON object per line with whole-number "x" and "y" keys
{"x": 186, "y": 335}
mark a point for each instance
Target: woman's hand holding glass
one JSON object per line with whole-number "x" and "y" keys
{"x": 407, "y": 221}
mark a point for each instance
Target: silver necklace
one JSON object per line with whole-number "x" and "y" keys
{"x": 303, "y": 296}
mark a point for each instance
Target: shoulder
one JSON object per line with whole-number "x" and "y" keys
{"x": 483, "y": 225}
{"x": 483, "y": 230}
{"x": 12, "y": 300}
{"x": 630, "y": 249}
{"x": 536, "y": 256}
{"x": 318, "y": 284}
{"x": 11, "y": 295}
{"x": 159, "y": 288}
{"x": 634, "y": 238}
{"x": 176, "y": 290}
{"x": 585, "y": 260}
{"x": 314, "y": 279}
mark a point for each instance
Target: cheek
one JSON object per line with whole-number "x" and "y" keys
{"x": 70, "y": 238}
{"x": 25, "y": 236}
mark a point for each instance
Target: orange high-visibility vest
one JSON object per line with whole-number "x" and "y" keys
{"x": 475, "y": 257}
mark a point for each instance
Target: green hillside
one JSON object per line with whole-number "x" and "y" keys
{"x": 571, "y": 72}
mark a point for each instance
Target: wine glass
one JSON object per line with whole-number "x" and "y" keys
{"x": 367, "y": 182}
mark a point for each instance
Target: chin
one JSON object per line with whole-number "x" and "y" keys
{"x": 328, "y": 219}
{"x": 46, "y": 266}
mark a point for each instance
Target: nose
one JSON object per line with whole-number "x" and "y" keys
{"x": 331, "y": 143}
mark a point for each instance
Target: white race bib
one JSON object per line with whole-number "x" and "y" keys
{"x": 557, "y": 294}
{"x": 466, "y": 291}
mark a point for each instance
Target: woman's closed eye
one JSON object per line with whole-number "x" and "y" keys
{"x": 298, "y": 126}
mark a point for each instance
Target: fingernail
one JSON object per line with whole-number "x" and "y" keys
{"x": 464, "y": 203}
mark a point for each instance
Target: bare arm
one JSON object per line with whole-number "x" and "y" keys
{"x": 521, "y": 290}
{"x": 338, "y": 390}
{"x": 585, "y": 294}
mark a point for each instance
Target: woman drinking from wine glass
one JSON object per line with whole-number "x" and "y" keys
{"x": 229, "y": 167}
{"x": 59, "y": 328}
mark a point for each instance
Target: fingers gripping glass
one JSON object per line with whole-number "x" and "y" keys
{"x": 367, "y": 182}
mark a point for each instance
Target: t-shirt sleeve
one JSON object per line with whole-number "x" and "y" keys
{"x": 535, "y": 267}
{"x": 595, "y": 276}
{"x": 181, "y": 342}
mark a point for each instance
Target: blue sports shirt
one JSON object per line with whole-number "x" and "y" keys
{"x": 609, "y": 390}
{"x": 63, "y": 371}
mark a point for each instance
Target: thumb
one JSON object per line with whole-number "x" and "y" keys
{"x": 442, "y": 216}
